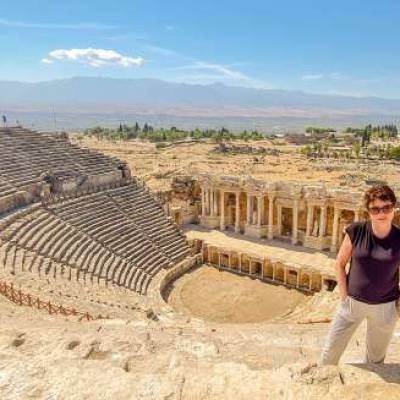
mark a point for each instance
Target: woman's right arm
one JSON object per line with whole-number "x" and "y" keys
{"x": 343, "y": 256}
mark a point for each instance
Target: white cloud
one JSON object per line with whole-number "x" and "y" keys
{"x": 203, "y": 72}
{"x": 47, "y": 61}
{"x": 222, "y": 70}
{"x": 126, "y": 36}
{"x": 161, "y": 51}
{"x": 312, "y": 77}
{"x": 39, "y": 25}
{"x": 315, "y": 77}
{"x": 93, "y": 57}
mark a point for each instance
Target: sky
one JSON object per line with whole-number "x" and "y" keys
{"x": 346, "y": 47}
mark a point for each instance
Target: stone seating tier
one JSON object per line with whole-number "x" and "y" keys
{"x": 100, "y": 236}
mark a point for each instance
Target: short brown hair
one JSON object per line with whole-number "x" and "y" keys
{"x": 379, "y": 192}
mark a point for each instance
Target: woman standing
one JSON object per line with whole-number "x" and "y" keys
{"x": 371, "y": 288}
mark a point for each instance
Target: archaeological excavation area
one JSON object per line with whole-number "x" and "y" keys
{"x": 223, "y": 291}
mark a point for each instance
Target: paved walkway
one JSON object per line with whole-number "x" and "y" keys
{"x": 277, "y": 249}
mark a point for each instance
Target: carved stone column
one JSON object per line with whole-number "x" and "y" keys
{"x": 215, "y": 202}
{"x": 279, "y": 222}
{"x": 322, "y": 222}
{"x": 207, "y": 193}
{"x": 259, "y": 210}
{"x": 249, "y": 208}
{"x": 295, "y": 220}
{"x": 203, "y": 202}
{"x": 222, "y": 210}
{"x": 310, "y": 214}
{"x": 336, "y": 213}
{"x": 237, "y": 213}
{"x": 270, "y": 216}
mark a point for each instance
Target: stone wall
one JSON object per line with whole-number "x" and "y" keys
{"x": 157, "y": 294}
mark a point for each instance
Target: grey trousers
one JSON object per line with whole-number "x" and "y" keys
{"x": 381, "y": 321}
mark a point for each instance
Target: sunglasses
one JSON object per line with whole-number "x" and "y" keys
{"x": 385, "y": 209}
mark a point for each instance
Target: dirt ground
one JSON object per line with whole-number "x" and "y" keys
{"x": 158, "y": 166}
{"x": 222, "y": 296}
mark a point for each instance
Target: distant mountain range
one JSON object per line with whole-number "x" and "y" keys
{"x": 87, "y": 100}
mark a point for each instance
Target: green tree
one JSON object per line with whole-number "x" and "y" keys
{"x": 306, "y": 150}
{"x": 394, "y": 152}
{"x": 356, "y": 149}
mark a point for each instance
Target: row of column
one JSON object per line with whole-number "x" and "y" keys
{"x": 213, "y": 204}
{"x": 209, "y": 202}
{"x": 251, "y": 219}
{"x": 310, "y": 217}
{"x": 322, "y": 221}
{"x": 250, "y": 206}
{"x": 260, "y": 261}
{"x": 210, "y": 208}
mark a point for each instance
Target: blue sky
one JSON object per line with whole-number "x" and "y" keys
{"x": 345, "y": 47}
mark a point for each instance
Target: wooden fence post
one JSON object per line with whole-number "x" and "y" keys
{"x": 12, "y": 292}
{"x": 20, "y": 298}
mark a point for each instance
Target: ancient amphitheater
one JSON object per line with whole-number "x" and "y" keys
{"x": 110, "y": 291}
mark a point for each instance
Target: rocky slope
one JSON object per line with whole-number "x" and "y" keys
{"x": 50, "y": 357}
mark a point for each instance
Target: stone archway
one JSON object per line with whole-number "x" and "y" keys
{"x": 256, "y": 268}
{"x": 279, "y": 273}
{"x": 346, "y": 217}
{"x": 245, "y": 265}
{"x": 329, "y": 284}
{"x": 291, "y": 277}
{"x": 230, "y": 209}
{"x": 287, "y": 221}
{"x": 305, "y": 280}
{"x": 234, "y": 262}
{"x": 213, "y": 256}
{"x": 224, "y": 260}
{"x": 268, "y": 269}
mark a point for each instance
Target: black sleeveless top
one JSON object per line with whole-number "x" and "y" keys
{"x": 374, "y": 267}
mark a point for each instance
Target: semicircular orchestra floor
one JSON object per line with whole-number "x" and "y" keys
{"x": 222, "y": 296}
